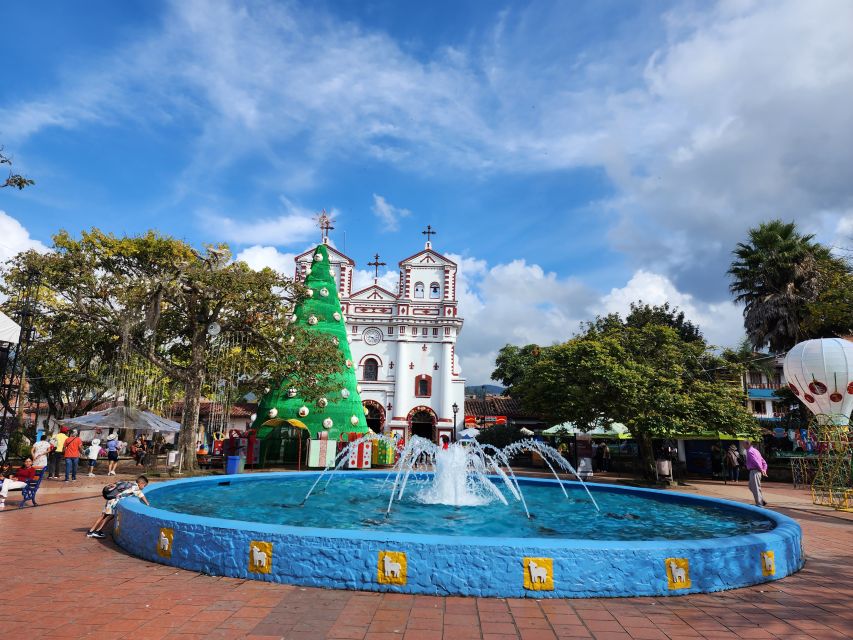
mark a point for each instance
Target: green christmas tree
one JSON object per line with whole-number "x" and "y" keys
{"x": 340, "y": 410}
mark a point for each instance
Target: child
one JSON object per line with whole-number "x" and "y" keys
{"x": 94, "y": 452}
{"x": 125, "y": 489}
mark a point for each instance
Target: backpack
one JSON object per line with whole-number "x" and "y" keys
{"x": 112, "y": 490}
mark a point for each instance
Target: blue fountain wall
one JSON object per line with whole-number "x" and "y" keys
{"x": 469, "y": 566}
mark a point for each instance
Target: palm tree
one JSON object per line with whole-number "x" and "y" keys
{"x": 775, "y": 274}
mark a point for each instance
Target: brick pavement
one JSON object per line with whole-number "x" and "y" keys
{"x": 60, "y": 584}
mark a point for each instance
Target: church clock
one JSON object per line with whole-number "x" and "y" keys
{"x": 372, "y": 336}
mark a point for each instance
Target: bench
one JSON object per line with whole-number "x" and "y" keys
{"x": 28, "y": 492}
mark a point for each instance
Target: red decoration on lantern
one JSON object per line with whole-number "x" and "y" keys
{"x": 835, "y": 397}
{"x": 793, "y": 388}
{"x": 817, "y": 388}
{"x": 809, "y": 398}
{"x": 850, "y": 388}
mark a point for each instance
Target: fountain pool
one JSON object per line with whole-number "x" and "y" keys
{"x": 639, "y": 542}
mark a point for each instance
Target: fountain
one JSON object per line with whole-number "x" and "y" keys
{"x": 459, "y": 521}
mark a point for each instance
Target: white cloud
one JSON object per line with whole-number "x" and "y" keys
{"x": 259, "y": 257}
{"x": 388, "y": 214}
{"x": 363, "y": 278}
{"x": 721, "y": 323}
{"x": 296, "y": 225}
{"x": 14, "y": 238}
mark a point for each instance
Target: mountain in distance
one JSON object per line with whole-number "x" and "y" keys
{"x": 490, "y": 389}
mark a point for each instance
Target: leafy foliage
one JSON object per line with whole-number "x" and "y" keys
{"x": 158, "y": 297}
{"x": 14, "y": 180}
{"x": 642, "y": 372}
{"x": 776, "y": 275}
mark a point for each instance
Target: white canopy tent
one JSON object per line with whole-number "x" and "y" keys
{"x": 10, "y": 331}
{"x": 123, "y": 417}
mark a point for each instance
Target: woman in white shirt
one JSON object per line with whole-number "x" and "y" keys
{"x": 39, "y": 452}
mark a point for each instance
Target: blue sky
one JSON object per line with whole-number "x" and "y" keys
{"x": 573, "y": 156}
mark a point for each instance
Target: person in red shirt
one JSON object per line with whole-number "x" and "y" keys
{"x": 18, "y": 480}
{"x": 73, "y": 445}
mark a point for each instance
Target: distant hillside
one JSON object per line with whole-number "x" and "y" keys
{"x": 490, "y": 389}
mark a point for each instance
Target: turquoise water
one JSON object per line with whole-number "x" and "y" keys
{"x": 353, "y": 502}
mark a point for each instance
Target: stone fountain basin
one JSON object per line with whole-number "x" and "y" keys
{"x": 458, "y": 565}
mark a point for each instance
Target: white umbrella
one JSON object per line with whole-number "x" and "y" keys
{"x": 469, "y": 433}
{"x": 124, "y": 418}
{"x": 525, "y": 431}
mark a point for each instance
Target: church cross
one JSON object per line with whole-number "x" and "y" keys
{"x": 325, "y": 223}
{"x": 429, "y": 232}
{"x": 376, "y": 264}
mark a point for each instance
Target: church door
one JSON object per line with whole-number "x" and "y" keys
{"x": 423, "y": 425}
{"x": 374, "y": 418}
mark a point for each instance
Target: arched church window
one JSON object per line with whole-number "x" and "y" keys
{"x": 423, "y": 386}
{"x": 435, "y": 291}
{"x": 419, "y": 289}
{"x": 371, "y": 369}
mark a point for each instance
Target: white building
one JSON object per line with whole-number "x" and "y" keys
{"x": 404, "y": 344}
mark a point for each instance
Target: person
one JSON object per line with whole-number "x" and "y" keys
{"x": 605, "y": 457}
{"x": 18, "y": 480}
{"x": 94, "y": 452}
{"x": 598, "y": 456}
{"x": 112, "y": 453}
{"x": 40, "y": 451}
{"x": 132, "y": 489}
{"x": 716, "y": 461}
{"x": 71, "y": 452}
{"x": 757, "y": 467}
{"x": 58, "y": 442}
{"x": 137, "y": 450}
{"x": 733, "y": 463}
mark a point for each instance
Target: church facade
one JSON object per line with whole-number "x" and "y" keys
{"x": 403, "y": 343}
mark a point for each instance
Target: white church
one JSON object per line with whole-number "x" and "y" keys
{"x": 404, "y": 343}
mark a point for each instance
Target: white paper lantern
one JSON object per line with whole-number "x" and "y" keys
{"x": 312, "y": 319}
{"x": 354, "y": 420}
{"x": 322, "y": 402}
{"x": 335, "y": 341}
{"x": 293, "y": 318}
{"x": 309, "y": 293}
{"x": 820, "y": 373}
{"x": 303, "y": 411}
{"x": 358, "y": 388}
{"x": 253, "y": 417}
{"x": 324, "y": 292}
{"x": 331, "y": 272}
{"x": 273, "y": 412}
{"x": 344, "y": 393}
{"x": 327, "y": 423}
{"x": 336, "y": 316}
{"x": 291, "y": 393}
{"x": 349, "y": 364}
{"x": 318, "y": 257}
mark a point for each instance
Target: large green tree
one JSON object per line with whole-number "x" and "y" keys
{"x": 163, "y": 300}
{"x": 643, "y": 374}
{"x": 776, "y": 274}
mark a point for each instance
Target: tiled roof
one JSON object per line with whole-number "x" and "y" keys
{"x": 495, "y": 406}
{"x": 238, "y": 410}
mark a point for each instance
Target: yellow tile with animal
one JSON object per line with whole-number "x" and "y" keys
{"x": 538, "y": 574}
{"x": 260, "y": 556}
{"x": 164, "y": 542}
{"x": 677, "y": 573}
{"x": 391, "y": 568}
{"x": 768, "y": 563}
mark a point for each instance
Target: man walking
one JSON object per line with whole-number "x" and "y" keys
{"x": 757, "y": 467}
{"x": 73, "y": 445}
{"x": 58, "y": 453}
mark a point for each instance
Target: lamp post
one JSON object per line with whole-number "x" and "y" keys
{"x": 455, "y": 408}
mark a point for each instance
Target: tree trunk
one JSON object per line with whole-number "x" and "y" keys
{"x": 647, "y": 455}
{"x": 189, "y": 421}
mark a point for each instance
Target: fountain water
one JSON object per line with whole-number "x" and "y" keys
{"x": 464, "y": 474}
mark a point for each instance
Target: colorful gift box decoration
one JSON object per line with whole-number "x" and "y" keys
{"x": 360, "y": 455}
{"x": 383, "y": 454}
{"x": 321, "y": 453}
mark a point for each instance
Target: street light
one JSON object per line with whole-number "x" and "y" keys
{"x": 455, "y": 408}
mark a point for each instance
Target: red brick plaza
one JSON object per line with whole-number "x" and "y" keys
{"x": 59, "y": 584}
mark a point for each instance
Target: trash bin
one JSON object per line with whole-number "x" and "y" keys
{"x": 234, "y": 464}
{"x": 664, "y": 468}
